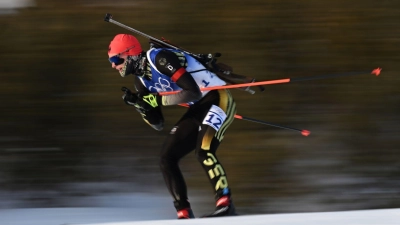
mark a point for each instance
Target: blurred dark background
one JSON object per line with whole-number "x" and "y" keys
{"x": 66, "y": 134}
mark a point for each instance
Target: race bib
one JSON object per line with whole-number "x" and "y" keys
{"x": 215, "y": 117}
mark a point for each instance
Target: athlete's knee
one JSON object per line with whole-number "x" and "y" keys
{"x": 201, "y": 155}
{"x": 167, "y": 161}
{"x": 206, "y": 158}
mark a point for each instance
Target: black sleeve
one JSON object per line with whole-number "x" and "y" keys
{"x": 169, "y": 64}
{"x": 154, "y": 116}
{"x": 139, "y": 86}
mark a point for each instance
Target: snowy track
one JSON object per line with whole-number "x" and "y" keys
{"x": 128, "y": 216}
{"x": 362, "y": 217}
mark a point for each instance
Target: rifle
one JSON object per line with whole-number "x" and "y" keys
{"x": 209, "y": 60}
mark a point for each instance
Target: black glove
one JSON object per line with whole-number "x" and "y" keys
{"x": 129, "y": 97}
{"x": 141, "y": 102}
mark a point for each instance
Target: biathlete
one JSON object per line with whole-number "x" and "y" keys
{"x": 201, "y": 128}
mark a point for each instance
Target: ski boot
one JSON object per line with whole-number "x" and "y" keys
{"x": 185, "y": 214}
{"x": 224, "y": 205}
{"x": 183, "y": 210}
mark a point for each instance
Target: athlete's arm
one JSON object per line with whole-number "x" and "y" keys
{"x": 168, "y": 64}
{"x": 153, "y": 116}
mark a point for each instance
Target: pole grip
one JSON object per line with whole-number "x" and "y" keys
{"x": 108, "y": 17}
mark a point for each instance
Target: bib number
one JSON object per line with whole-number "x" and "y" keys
{"x": 215, "y": 117}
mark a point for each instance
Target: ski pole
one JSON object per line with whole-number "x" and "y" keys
{"x": 303, "y": 132}
{"x": 108, "y": 18}
{"x": 376, "y": 72}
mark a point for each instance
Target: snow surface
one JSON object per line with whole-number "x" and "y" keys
{"x": 127, "y": 216}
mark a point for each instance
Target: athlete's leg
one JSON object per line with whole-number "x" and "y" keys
{"x": 180, "y": 141}
{"x": 208, "y": 141}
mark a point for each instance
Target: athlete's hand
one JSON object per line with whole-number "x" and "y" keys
{"x": 140, "y": 101}
{"x": 129, "y": 97}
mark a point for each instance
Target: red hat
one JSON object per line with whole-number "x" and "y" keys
{"x": 124, "y": 42}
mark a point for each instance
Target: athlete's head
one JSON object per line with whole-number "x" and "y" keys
{"x": 124, "y": 54}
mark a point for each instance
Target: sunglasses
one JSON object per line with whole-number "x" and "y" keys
{"x": 116, "y": 59}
